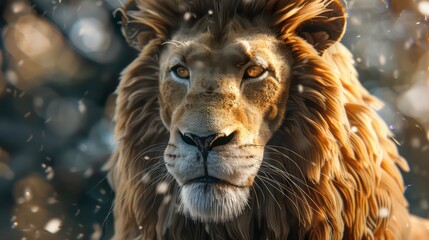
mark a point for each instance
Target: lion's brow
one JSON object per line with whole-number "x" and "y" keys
{"x": 186, "y": 48}
{"x": 182, "y": 48}
{"x": 246, "y": 48}
{"x": 175, "y": 43}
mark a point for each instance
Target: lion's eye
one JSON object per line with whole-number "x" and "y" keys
{"x": 181, "y": 72}
{"x": 254, "y": 71}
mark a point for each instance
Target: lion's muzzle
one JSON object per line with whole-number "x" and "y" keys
{"x": 207, "y": 143}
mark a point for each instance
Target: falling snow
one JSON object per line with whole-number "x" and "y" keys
{"x": 34, "y": 209}
{"x": 53, "y": 225}
{"x": 96, "y": 232}
{"x": 146, "y": 178}
{"x": 383, "y": 212}
{"x": 27, "y": 194}
{"x": 49, "y": 173}
{"x": 162, "y": 188}
{"x": 187, "y": 16}
{"x": 423, "y": 7}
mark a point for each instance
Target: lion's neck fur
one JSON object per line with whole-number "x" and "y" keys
{"x": 327, "y": 162}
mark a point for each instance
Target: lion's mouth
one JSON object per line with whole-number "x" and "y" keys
{"x": 209, "y": 180}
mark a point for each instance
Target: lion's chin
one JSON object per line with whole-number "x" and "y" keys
{"x": 213, "y": 202}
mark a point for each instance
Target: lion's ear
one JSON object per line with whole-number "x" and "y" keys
{"x": 143, "y": 21}
{"x": 134, "y": 32}
{"x": 325, "y": 29}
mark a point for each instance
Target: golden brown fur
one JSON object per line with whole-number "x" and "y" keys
{"x": 343, "y": 178}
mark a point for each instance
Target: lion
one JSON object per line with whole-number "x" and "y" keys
{"x": 245, "y": 119}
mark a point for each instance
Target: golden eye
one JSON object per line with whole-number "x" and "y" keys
{"x": 254, "y": 71}
{"x": 181, "y": 72}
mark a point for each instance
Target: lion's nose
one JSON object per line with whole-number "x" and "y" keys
{"x": 207, "y": 143}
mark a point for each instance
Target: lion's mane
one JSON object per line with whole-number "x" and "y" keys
{"x": 344, "y": 181}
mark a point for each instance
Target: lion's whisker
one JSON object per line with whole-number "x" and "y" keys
{"x": 289, "y": 158}
{"x": 136, "y": 185}
{"x": 262, "y": 192}
{"x": 301, "y": 157}
{"x": 156, "y": 181}
{"x": 280, "y": 190}
{"x": 146, "y": 150}
{"x": 167, "y": 180}
{"x": 256, "y": 195}
{"x": 299, "y": 198}
{"x": 140, "y": 154}
{"x": 288, "y": 180}
{"x": 285, "y": 175}
{"x": 266, "y": 187}
{"x": 284, "y": 171}
{"x": 149, "y": 170}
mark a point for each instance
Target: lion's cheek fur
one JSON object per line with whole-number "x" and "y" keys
{"x": 171, "y": 95}
{"x": 268, "y": 97}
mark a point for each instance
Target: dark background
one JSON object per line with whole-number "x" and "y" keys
{"x": 60, "y": 64}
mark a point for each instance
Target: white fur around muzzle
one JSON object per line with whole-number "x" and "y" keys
{"x": 213, "y": 203}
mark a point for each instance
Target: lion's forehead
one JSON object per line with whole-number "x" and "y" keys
{"x": 202, "y": 53}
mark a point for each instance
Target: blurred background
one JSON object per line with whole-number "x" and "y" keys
{"x": 60, "y": 62}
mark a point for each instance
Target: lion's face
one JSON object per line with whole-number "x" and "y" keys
{"x": 218, "y": 82}
{"x": 221, "y": 104}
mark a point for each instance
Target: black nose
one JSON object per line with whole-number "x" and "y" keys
{"x": 205, "y": 144}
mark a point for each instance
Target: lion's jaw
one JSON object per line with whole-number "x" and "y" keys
{"x": 219, "y": 122}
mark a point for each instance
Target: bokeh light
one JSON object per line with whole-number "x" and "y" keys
{"x": 36, "y": 49}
